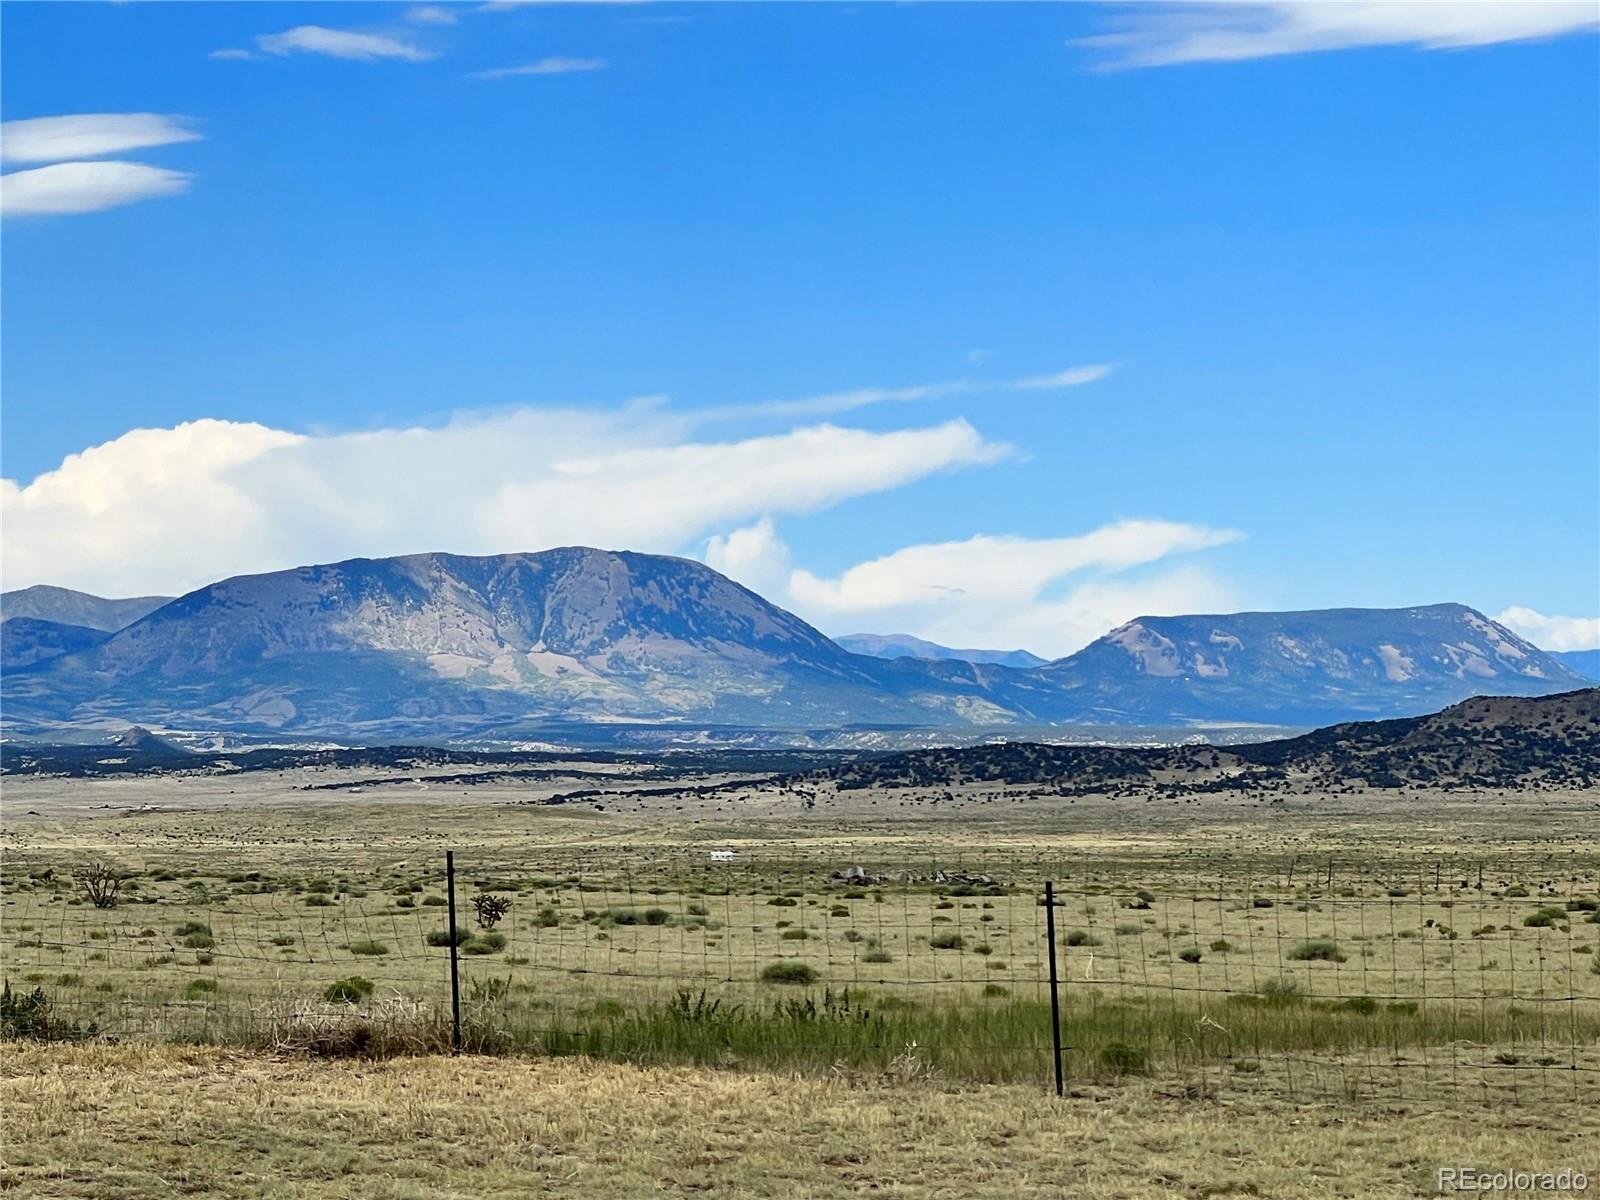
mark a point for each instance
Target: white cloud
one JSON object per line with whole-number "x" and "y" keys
{"x": 1048, "y": 595}
{"x": 1163, "y": 34}
{"x": 167, "y": 509}
{"x": 545, "y": 66}
{"x": 754, "y": 556}
{"x": 84, "y": 187}
{"x": 1552, "y": 633}
{"x": 342, "y": 43}
{"x": 842, "y": 402}
{"x": 89, "y": 135}
{"x": 230, "y": 54}
{"x": 430, "y": 14}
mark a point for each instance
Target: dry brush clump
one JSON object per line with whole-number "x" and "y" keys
{"x": 351, "y": 1024}
{"x": 101, "y": 882}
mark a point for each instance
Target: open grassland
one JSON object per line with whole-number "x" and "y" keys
{"x": 142, "y": 1123}
{"x": 1393, "y": 948}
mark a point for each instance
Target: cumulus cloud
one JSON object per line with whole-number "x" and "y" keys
{"x": 1163, "y": 34}
{"x": 170, "y": 509}
{"x": 754, "y": 556}
{"x": 84, "y": 187}
{"x": 342, "y": 43}
{"x": 1051, "y": 595}
{"x": 90, "y": 135}
{"x": 1550, "y": 632}
{"x": 545, "y": 66}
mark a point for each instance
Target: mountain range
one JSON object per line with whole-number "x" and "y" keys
{"x": 440, "y": 645}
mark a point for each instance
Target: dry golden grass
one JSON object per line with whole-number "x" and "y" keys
{"x": 130, "y": 1123}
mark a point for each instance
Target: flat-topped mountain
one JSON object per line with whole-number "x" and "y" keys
{"x": 1312, "y": 667}
{"x": 436, "y": 645}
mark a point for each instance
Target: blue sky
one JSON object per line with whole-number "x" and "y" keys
{"x": 1325, "y": 294}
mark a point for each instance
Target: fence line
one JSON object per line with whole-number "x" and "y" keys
{"x": 1442, "y": 977}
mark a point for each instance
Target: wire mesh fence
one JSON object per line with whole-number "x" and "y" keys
{"x": 1309, "y": 976}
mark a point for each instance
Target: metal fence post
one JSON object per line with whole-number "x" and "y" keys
{"x": 455, "y": 961}
{"x": 1055, "y": 998}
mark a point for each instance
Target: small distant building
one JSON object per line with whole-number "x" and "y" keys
{"x": 722, "y": 856}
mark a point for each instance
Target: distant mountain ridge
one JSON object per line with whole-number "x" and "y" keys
{"x": 903, "y": 645}
{"x": 1508, "y": 742}
{"x": 1584, "y": 662}
{"x": 441, "y": 645}
{"x": 28, "y": 640}
{"x": 63, "y": 606}
{"x": 1315, "y": 667}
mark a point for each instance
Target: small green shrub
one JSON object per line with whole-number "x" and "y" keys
{"x": 1081, "y": 937}
{"x": 368, "y": 948}
{"x": 441, "y": 937}
{"x": 947, "y": 940}
{"x": 794, "y": 935}
{"x": 488, "y": 942}
{"x": 1221, "y": 946}
{"x": 1190, "y": 954}
{"x": 789, "y": 971}
{"x": 996, "y": 991}
{"x": 1317, "y": 950}
{"x": 199, "y": 988}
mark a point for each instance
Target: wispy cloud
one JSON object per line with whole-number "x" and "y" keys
{"x": 430, "y": 14}
{"x": 842, "y": 402}
{"x": 90, "y": 135}
{"x": 84, "y": 187}
{"x": 1161, "y": 34}
{"x": 70, "y": 187}
{"x": 343, "y": 43}
{"x": 1552, "y": 632}
{"x": 545, "y": 66}
{"x": 230, "y": 55}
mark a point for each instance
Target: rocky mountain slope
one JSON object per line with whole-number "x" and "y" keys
{"x": 1506, "y": 742}
{"x": 903, "y": 645}
{"x": 1303, "y": 668}
{"x": 436, "y": 645}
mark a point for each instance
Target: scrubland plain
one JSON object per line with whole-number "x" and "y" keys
{"x": 1311, "y": 996}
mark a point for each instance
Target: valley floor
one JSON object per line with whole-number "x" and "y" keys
{"x": 132, "y": 1122}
